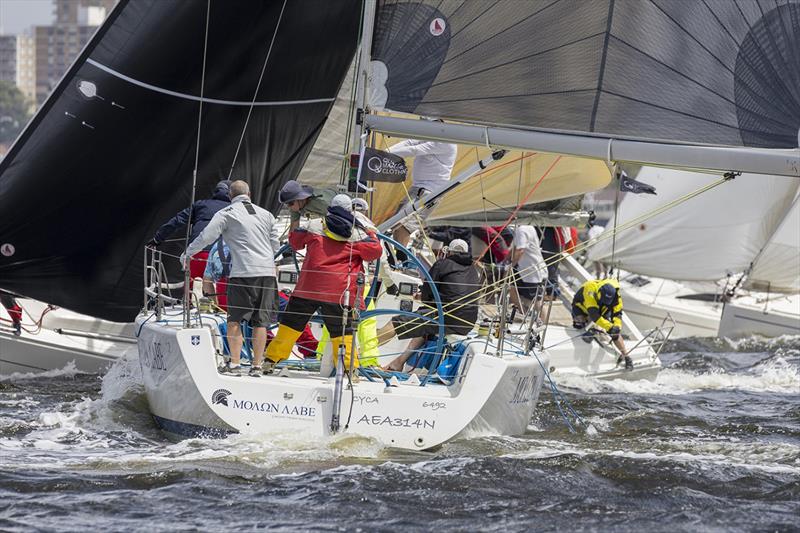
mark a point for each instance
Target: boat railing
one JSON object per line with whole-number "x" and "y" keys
{"x": 157, "y": 290}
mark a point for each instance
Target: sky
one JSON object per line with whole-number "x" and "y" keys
{"x": 16, "y": 15}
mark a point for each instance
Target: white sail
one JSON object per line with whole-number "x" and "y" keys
{"x": 705, "y": 238}
{"x": 777, "y": 268}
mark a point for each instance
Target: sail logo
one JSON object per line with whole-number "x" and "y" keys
{"x": 437, "y": 26}
{"x": 195, "y": 340}
{"x": 7, "y": 249}
{"x": 220, "y": 397}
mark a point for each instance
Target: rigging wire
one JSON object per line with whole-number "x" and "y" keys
{"x": 187, "y": 273}
{"x": 258, "y": 87}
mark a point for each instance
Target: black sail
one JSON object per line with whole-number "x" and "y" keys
{"x": 110, "y": 155}
{"x": 700, "y": 71}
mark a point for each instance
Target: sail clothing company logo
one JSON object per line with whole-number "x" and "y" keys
{"x": 195, "y": 340}
{"x": 384, "y": 165}
{"x": 7, "y": 249}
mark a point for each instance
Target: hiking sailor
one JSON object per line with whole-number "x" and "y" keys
{"x": 336, "y": 248}
{"x": 433, "y": 163}
{"x": 252, "y": 238}
{"x": 599, "y": 301}
{"x": 459, "y": 283}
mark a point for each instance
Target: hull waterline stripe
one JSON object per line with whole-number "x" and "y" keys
{"x": 186, "y": 429}
{"x": 204, "y": 100}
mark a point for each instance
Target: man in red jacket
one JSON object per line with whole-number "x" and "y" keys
{"x": 336, "y": 248}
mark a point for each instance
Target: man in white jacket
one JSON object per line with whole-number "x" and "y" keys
{"x": 433, "y": 163}
{"x": 252, "y": 238}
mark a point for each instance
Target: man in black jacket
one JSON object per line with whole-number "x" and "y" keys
{"x": 459, "y": 283}
{"x": 198, "y": 215}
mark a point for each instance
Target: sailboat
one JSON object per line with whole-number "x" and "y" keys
{"x": 708, "y": 252}
{"x": 610, "y": 80}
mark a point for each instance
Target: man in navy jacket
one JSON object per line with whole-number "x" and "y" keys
{"x": 199, "y": 214}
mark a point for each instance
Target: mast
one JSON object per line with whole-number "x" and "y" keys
{"x": 780, "y": 162}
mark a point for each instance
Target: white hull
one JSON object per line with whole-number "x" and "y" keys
{"x": 188, "y": 396}
{"x": 748, "y": 316}
{"x": 692, "y": 318}
{"x": 65, "y": 338}
{"x": 570, "y": 354}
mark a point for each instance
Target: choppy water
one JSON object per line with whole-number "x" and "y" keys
{"x": 713, "y": 444}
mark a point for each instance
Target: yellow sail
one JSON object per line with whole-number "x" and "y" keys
{"x": 519, "y": 178}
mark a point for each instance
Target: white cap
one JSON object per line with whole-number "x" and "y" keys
{"x": 458, "y": 245}
{"x": 343, "y": 201}
{"x": 359, "y": 204}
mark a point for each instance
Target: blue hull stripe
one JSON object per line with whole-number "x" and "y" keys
{"x": 191, "y": 430}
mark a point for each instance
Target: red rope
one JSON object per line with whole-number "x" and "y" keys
{"x": 519, "y": 206}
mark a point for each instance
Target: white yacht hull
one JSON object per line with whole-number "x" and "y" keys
{"x": 65, "y": 338}
{"x": 571, "y": 354}
{"x": 748, "y": 316}
{"x": 692, "y": 319}
{"x": 189, "y": 397}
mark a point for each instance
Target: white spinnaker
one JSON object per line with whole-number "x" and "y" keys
{"x": 705, "y": 238}
{"x": 777, "y": 268}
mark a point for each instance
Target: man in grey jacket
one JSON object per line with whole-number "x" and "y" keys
{"x": 252, "y": 238}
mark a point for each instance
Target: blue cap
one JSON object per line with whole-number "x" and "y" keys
{"x": 607, "y": 294}
{"x": 292, "y": 191}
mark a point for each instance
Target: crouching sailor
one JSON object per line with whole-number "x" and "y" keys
{"x": 336, "y": 248}
{"x": 599, "y": 301}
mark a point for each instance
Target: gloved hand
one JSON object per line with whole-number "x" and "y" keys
{"x": 287, "y": 252}
{"x": 392, "y": 290}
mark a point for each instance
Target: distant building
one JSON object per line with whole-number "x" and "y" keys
{"x": 26, "y": 66}
{"x": 8, "y": 58}
{"x": 52, "y": 49}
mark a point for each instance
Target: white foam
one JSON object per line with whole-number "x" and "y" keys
{"x": 774, "y": 375}
{"x": 69, "y": 370}
{"x": 767, "y": 457}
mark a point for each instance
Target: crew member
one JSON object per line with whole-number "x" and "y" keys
{"x": 336, "y": 248}
{"x": 14, "y": 311}
{"x": 198, "y": 215}
{"x": 599, "y": 301}
{"x": 305, "y": 201}
{"x": 433, "y": 163}
{"x": 252, "y": 238}
{"x": 458, "y": 282}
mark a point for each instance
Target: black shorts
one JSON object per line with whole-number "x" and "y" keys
{"x": 407, "y": 327}
{"x": 300, "y": 310}
{"x": 530, "y": 290}
{"x": 253, "y": 299}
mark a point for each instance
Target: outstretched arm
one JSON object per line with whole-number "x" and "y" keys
{"x": 172, "y": 225}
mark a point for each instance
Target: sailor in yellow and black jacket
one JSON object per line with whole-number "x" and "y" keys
{"x": 599, "y": 301}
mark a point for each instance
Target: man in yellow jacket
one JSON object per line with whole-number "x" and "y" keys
{"x": 599, "y": 301}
